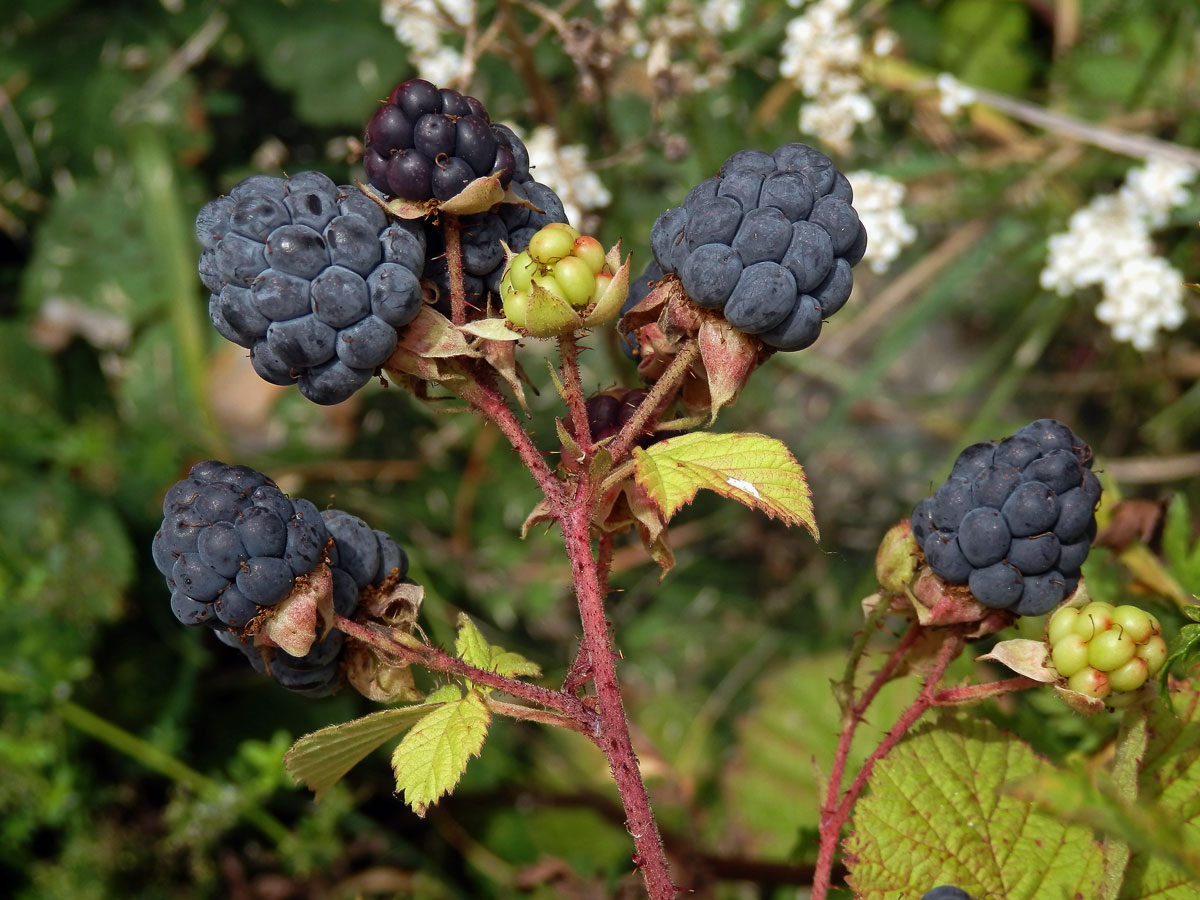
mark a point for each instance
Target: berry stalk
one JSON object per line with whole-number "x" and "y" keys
{"x": 614, "y": 734}
{"x": 454, "y": 268}
{"x": 833, "y": 820}
{"x": 665, "y": 388}
{"x": 1127, "y": 763}
{"x": 568, "y": 349}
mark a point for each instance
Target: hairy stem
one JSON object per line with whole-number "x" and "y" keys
{"x": 663, "y": 391}
{"x": 975, "y": 693}
{"x": 833, "y": 820}
{"x": 454, "y": 268}
{"x": 483, "y": 396}
{"x": 615, "y": 739}
{"x": 440, "y": 661}
{"x": 568, "y": 349}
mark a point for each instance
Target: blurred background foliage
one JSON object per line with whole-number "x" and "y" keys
{"x": 138, "y": 759}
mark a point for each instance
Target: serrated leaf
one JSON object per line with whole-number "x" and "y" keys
{"x": 433, "y": 755}
{"x": 473, "y": 649}
{"x": 319, "y": 760}
{"x": 753, "y": 469}
{"x": 936, "y": 814}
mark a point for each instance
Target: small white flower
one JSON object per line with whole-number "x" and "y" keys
{"x": 564, "y": 169}
{"x": 954, "y": 95}
{"x": 879, "y": 200}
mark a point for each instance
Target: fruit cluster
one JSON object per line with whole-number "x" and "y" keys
{"x": 1015, "y": 519}
{"x": 428, "y": 143}
{"x": 1103, "y": 650}
{"x": 232, "y": 546}
{"x": 769, "y": 242}
{"x": 560, "y": 266}
{"x": 312, "y": 278}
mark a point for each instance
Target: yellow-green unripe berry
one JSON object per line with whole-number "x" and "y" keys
{"x": 550, "y": 243}
{"x": 1069, "y": 655}
{"x": 516, "y": 304}
{"x": 577, "y": 280}
{"x": 521, "y": 271}
{"x": 1130, "y": 676}
{"x": 1111, "y": 649}
{"x": 1154, "y": 652}
{"x": 591, "y": 252}
{"x": 1093, "y": 619}
{"x": 1090, "y": 681}
{"x": 1155, "y": 627}
{"x": 1061, "y": 624}
{"x": 547, "y": 282}
{"x": 1135, "y": 621}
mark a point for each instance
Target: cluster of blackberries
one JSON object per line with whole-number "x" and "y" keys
{"x": 428, "y": 143}
{"x": 769, "y": 242}
{"x": 316, "y": 280}
{"x": 232, "y": 545}
{"x": 1015, "y": 519}
{"x": 312, "y": 278}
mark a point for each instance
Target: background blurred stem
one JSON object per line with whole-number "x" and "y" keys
{"x": 175, "y": 263}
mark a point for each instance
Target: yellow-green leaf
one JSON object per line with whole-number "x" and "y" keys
{"x": 319, "y": 760}
{"x": 473, "y": 649}
{"x": 753, "y": 469}
{"x": 434, "y": 754}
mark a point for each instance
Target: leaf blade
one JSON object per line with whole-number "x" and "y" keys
{"x": 754, "y": 469}
{"x": 432, "y": 757}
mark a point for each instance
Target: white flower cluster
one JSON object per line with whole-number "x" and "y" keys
{"x": 953, "y": 95}
{"x": 422, "y": 25}
{"x": 1107, "y": 243}
{"x": 822, "y": 52}
{"x": 720, "y": 16}
{"x": 564, "y": 169}
{"x": 878, "y": 200}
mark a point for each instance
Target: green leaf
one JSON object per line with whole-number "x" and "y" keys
{"x": 936, "y": 814}
{"x": 473, "y": 649}
{"x": 434, "y": 754}
{"x": 753, "y": 469}
{"x": 319, "y": 760}
{"x": 1181, "y": 552}
{"x": 772, "y": 786}
{"x": 1169, "y": 791}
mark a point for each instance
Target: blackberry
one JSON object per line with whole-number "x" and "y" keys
{"x": 770, "y": 242}
{"x": 425, "y": 143}
{"x": 1015, "y": 519}
{"x": 609, "y": 411}
{"x": 312, "y": 278}
{"x": 232, "y": 545}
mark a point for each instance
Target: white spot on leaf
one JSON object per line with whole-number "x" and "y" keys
{"x": 744, "y": 486}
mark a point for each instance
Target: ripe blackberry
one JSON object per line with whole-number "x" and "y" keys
{"x": 1015, "y": 519}
{"x": 232, "y": 545}
{"x": 428, "y": 143}
{"x": 769, "y": 242}
{"x": 312, "y": 278}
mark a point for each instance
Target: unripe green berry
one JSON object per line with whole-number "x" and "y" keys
{"x": 547, "y": 282}
{"x": 1090, "y": 681}
{"x": 516, "y": 304}
{"x": 521, "y": 271}
{"x": 576, "y": 279}
{"x": 1111, "y": 649}
{"x": 1130, "y": 676}
{"x": 1154, "y": 652}
{"x": 591, "y": 251}
{"x": 552, "y": 243}
{"x": 1093, "y": 619}
{"x": 1061, "y": 624}
{"x": 1135, "y": 621}
{"x": 1069, "y": 655}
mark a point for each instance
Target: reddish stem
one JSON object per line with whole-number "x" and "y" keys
{"x": 974, "y": 693}
{"x": 615, "y": 739}
{"x": 833, "y": 822}
{"x": 440, "y": 661}
{"x": 568, "y": 349}
{"x": 454, "y": 268}
{"x": 660, "y": 395}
